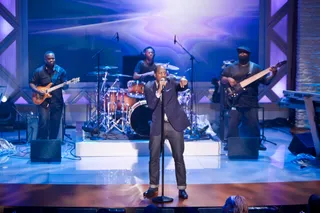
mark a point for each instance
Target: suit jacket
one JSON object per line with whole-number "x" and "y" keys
{"x": 176, "y": 116}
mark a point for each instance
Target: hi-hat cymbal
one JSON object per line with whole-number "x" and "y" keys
{"x": 120, "y": 75}
{"x": 168, "y": 66}
{"x": 107, "y": 67}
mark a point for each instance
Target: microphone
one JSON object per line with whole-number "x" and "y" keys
{"x": 163, "y": 79}
{"x": 117, "y": 37}
{"x": 175, "y": 39}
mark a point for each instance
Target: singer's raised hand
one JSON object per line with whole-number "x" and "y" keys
{"x": 183, "y": 82}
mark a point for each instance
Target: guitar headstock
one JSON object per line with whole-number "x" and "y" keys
{"x": 75, "y": 80}
{"x": 280, "y": 64}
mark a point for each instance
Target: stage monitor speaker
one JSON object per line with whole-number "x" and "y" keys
{"x": 45, "y": 151}
{"x": 302, "y": 143}
{"x": 243, "y": 147}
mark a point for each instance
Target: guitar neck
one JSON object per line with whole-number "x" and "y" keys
{"x": 253, "y": 78}
{"x": 58, "y": 86}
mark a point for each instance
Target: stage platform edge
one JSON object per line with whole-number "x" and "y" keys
{"x": 117, "y": 148}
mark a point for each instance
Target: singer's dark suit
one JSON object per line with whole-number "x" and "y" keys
{"x": 173, "y": 130}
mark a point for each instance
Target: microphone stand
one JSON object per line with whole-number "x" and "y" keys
{"x": 162, "y": 198}
{"x": 192, "y": 59}
{"x": 19, "y": 141}
{"x": 98, "y": 54}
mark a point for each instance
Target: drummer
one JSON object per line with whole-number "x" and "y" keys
{"x": 144, "y": 70}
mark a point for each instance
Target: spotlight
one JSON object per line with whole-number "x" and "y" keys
{"x": 4, "y": 99}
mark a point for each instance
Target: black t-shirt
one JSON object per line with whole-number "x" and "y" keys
{"x": 248, "y": 98}
{"x": 41, "y": 77}
{"x": 143, "y": 67}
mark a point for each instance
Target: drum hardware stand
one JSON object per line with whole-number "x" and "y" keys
{"x": 115, "y": 123}
{"x": 192, "y": 59}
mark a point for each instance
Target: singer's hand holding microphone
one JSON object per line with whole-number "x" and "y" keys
{"x": 162, "y": 84}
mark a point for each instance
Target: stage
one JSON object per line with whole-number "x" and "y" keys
{"x": 119, "y": 181}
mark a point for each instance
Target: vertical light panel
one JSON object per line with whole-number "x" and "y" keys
{"x": 277, "y": 42}
{"x": 8, "y": 56}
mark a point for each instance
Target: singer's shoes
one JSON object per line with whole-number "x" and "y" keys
{"x": 183, "y": 194}
{"x": 150, "y": 192}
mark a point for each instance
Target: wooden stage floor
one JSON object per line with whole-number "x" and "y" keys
{"x": 128, "y": 196}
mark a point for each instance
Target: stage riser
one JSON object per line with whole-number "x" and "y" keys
{"x": 113, "y": 148}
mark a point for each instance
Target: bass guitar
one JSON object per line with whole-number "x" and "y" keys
{"x": 236, "y": 90}
{"x": 39, "y": 98}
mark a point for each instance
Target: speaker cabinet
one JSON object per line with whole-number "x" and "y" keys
{"x": 302, "y": 143}
{"x": 45, "y": 151}
{"x": 243, "y": 147}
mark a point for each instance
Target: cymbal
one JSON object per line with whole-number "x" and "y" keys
{"x": 176, "y": 76}
{"x": 107, "y": 67}
{"x": 95, "y": 73}
{"x": 168, "y": 66}
{"x": 120, "y": 75}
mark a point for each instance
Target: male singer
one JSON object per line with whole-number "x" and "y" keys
{"x": 175, "y": 122}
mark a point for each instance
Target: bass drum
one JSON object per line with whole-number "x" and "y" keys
{"x": 140, "y": 117}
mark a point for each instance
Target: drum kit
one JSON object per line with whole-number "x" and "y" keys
{"x": 125, "y": 109}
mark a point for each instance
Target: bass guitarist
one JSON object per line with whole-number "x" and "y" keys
{"x": 50, "y": 110}
{"x": 244, "y": 109}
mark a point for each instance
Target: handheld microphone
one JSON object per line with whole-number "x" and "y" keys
{"x": 163, "y": 79}
{"x": 175, "y": 39}
{"x": 117, "y": 37}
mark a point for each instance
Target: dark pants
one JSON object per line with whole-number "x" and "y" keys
{"x": 49, "y": 121}
{"x": 248, "y": 118}
{"x": 176, "y": 140}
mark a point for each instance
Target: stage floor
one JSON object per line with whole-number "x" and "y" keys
{"x": 120, "y": 181}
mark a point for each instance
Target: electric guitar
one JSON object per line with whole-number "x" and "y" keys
{"x": 39, "y": 98}
{"x": 236, "y": 90}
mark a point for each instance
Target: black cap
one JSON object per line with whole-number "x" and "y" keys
{"x": 243, "y": 49}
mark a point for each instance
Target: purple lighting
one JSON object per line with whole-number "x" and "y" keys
{"x": 10, "y": 5}
{"x": 276, "y": 55}
{"x": 8, "y": 59}
{"x": 5, "y": 28}
{"x": 83, "y": 100}
{"x": 281, "y": 28}
{"x": 280, "y": 86}
{"x": 264, "y": 99}
{"x": 21, "y": 101}
{"x": 276, "y": 5}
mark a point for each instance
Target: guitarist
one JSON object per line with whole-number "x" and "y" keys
{"x": 245, "y": 109}
{"x": 50, "y": 111}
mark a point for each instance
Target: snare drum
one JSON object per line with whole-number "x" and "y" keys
{"x": 140, "y": 117}
{"x": 117, "y": 99}
{"x": 136, "y": 89}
